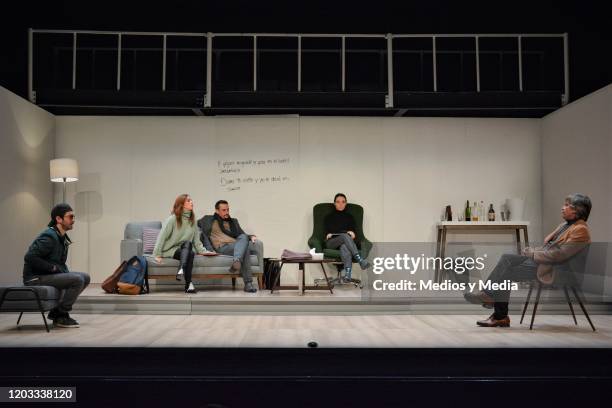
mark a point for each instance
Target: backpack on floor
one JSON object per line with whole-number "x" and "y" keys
{"x": 110, "y": 284}
{"x": 134, "y": 280}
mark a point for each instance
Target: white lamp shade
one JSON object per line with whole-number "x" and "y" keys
{"x": 64, "y": 170}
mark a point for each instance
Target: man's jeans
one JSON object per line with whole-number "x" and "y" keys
{"x": 510, "y": 267}
{"x": 70, "y": 284}
{"x": 347, "y": 246}
{"x": 240, "y": 251}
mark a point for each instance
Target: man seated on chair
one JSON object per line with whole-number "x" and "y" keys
{"x": 224, "y": 235}
{"x": 567, "y": 240}
{"x": 340, "y": 234}
{"x": 45, "y": 264}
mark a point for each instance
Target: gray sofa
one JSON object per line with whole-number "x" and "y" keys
{"x": 204, "y": 267}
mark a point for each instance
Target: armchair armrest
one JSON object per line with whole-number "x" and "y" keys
{"x": 130, "y": 248}
{"x": 259, "y": 250}
{"x": 366, "y": 247}
{"x": 315, "y": 243}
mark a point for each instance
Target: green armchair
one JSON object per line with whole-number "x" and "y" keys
{"x": 317, "y": 239}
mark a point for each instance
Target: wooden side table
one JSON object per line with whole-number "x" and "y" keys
{"x": 301, "y": 265}
{"x": 498, "y": 226}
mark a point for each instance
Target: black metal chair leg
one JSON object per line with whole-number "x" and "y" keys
{"x": 45, "y": 320}
{"x": 38, "y": 301}
{"x": 527, "y": 301}
{"x": 329, "y": 284}
{"x": 583, "y": 308}
{"x": 42, "y": 311}
{"x": 569, "y": 302}
{"x": 535, "y": 306}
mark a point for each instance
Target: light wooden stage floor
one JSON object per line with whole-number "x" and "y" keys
{"x": 369, "y": 331}
{"x": 222, "y": 317}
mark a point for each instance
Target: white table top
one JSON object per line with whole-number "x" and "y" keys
{"x": 475, "y": 223}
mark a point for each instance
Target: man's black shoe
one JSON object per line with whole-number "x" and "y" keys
{"x": 66, "y": 322}
{"x": 248, "y": 287}
{"x": 54, "y": 314}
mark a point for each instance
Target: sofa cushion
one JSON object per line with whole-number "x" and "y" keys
{"x": 44, "y": 292}
{"x": 133, "y": 230}
{"x": 23, "y": 301}
{"x": 149, "y": 238}
{"x": 201, "y": 265}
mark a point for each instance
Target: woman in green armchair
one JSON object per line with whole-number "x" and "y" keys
{"x": 340, "y": 234}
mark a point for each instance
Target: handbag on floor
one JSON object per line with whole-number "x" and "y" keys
{"x": 110, "y": 284}
{"x": 271, "y": 269}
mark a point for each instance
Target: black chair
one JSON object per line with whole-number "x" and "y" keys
{"x": 568, "y": 276}
{"x": 21, "y": 299}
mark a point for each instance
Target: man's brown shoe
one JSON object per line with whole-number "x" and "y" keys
{"x": 492, "y": 322}
{"x": 235, "y": 268}
{"x": 479, "y": 298}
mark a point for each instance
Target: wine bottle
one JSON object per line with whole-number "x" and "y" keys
{"x": 491, "y": 213}
{"x": 475, "y": 212}
{"x": 468, "y": 214}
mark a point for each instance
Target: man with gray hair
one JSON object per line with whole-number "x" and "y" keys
{"x": 567, "y": 240}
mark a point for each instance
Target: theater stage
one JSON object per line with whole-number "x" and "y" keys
{"x": 221, "y": 317}
{"x": 296, "y": 331}
{"x": 346, "y": 300}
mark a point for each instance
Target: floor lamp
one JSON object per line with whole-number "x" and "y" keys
{"x": 64, "y": 171}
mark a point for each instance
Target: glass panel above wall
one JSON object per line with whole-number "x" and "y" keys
{"x": 185, "y": 63}
{"x": 141, "y": 62}
{"x": 232, "y": 64}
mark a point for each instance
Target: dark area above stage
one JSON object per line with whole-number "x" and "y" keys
{"x": 323, "y": 91}
{"x": 468, "y": 104}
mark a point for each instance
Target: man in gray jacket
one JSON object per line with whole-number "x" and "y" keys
{"x": 223, "y": 234}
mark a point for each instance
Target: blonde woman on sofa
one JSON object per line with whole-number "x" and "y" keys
{"x": 179, "y": 239}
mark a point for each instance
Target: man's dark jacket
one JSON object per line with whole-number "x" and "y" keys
{"x": 205, "y": 224}
{"x": 46, "y": 255}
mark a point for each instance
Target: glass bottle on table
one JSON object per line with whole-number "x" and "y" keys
{"x": 468, "y": 215}
{"x": 475, "y": 212}
{"x": 491, "y": 214}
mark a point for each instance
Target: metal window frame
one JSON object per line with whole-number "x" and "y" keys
{"x": 209, "y": 36}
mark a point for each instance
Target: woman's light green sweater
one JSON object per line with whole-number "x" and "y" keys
{"x": 172, "y": 236}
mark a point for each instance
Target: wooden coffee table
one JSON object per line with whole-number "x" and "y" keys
{"x": 301, "y": 265}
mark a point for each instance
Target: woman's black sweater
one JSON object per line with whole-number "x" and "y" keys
{"x": 339, "y": 221}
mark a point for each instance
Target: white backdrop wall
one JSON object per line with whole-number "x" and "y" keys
{"x": 577, "y": 157}
{"x": 27, "y": 142}
{"x": 403, "y": 170}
